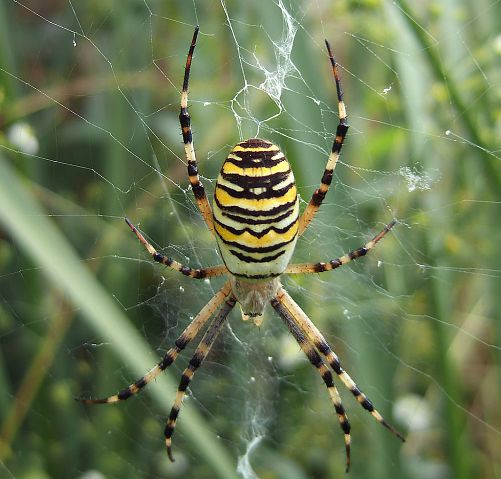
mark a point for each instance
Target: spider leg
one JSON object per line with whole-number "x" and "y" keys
{"x": 199, "y": 355}
{"x": 169, "y": 262}
{"x": 182, "y": 341}
{"x": 315, "y": 359}
{"x": 342, "y": 128}
{"x": 305, "y": 325}
{"x": 185, "y": 121}
{"x": 336, "y": 263}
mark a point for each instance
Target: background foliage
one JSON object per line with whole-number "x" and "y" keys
{"x": 94, "y": 89}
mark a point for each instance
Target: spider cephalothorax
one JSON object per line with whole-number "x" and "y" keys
{"x": 256, "y": 221}
{"x": 253, "y": 296}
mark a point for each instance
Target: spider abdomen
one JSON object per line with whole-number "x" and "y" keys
{"x": 256, "y": 210}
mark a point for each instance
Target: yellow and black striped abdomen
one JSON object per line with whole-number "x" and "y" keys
{"x": 256, "y": 210}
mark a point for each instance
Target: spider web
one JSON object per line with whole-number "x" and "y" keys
{"x": 88, "y": 114}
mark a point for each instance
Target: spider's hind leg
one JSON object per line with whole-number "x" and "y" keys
{"x": 185, "y": 121}
{"x": 341, "y": 131}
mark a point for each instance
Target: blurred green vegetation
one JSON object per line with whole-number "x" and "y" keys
{"x": 89, "y": 98}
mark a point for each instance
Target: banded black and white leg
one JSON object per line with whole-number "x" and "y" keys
{"x": 185, "y": 121}
{"x": 200, "y": 354}
{"x": 302, "y": 268}
{"x": 170, "y": 356}
{"x": 314, "y": 357}
{"x": 284, "y": 302}
{"x": 341, "y": 131}
{"x": 172, "y": 264}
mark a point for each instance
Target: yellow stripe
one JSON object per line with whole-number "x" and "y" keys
{"x": 230, "y": 168}
{"x": 269, "y": 239}
{"x": 259, "y": 148}
{"x": 255, "y": 205}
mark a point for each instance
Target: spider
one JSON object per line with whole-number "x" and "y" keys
{"x": 256, "y": 221}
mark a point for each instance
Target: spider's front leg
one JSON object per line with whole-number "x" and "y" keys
{"x": 181, "y": 342}
{"x": 198, "y": 356}
{"x": 284, "y": 304}
{"x": 312, "y": 354}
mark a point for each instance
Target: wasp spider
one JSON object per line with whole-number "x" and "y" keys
{"x": 256, "y": 221}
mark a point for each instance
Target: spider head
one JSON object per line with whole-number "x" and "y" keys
{"x": 254, "y": 295}
{"x": 257, "y": 318}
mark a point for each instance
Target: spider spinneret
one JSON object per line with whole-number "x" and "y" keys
{"x": 256, "y": 221}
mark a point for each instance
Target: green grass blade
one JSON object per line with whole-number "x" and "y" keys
{"x": 40, "y": 239}
{"x": 489, "y": 163}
